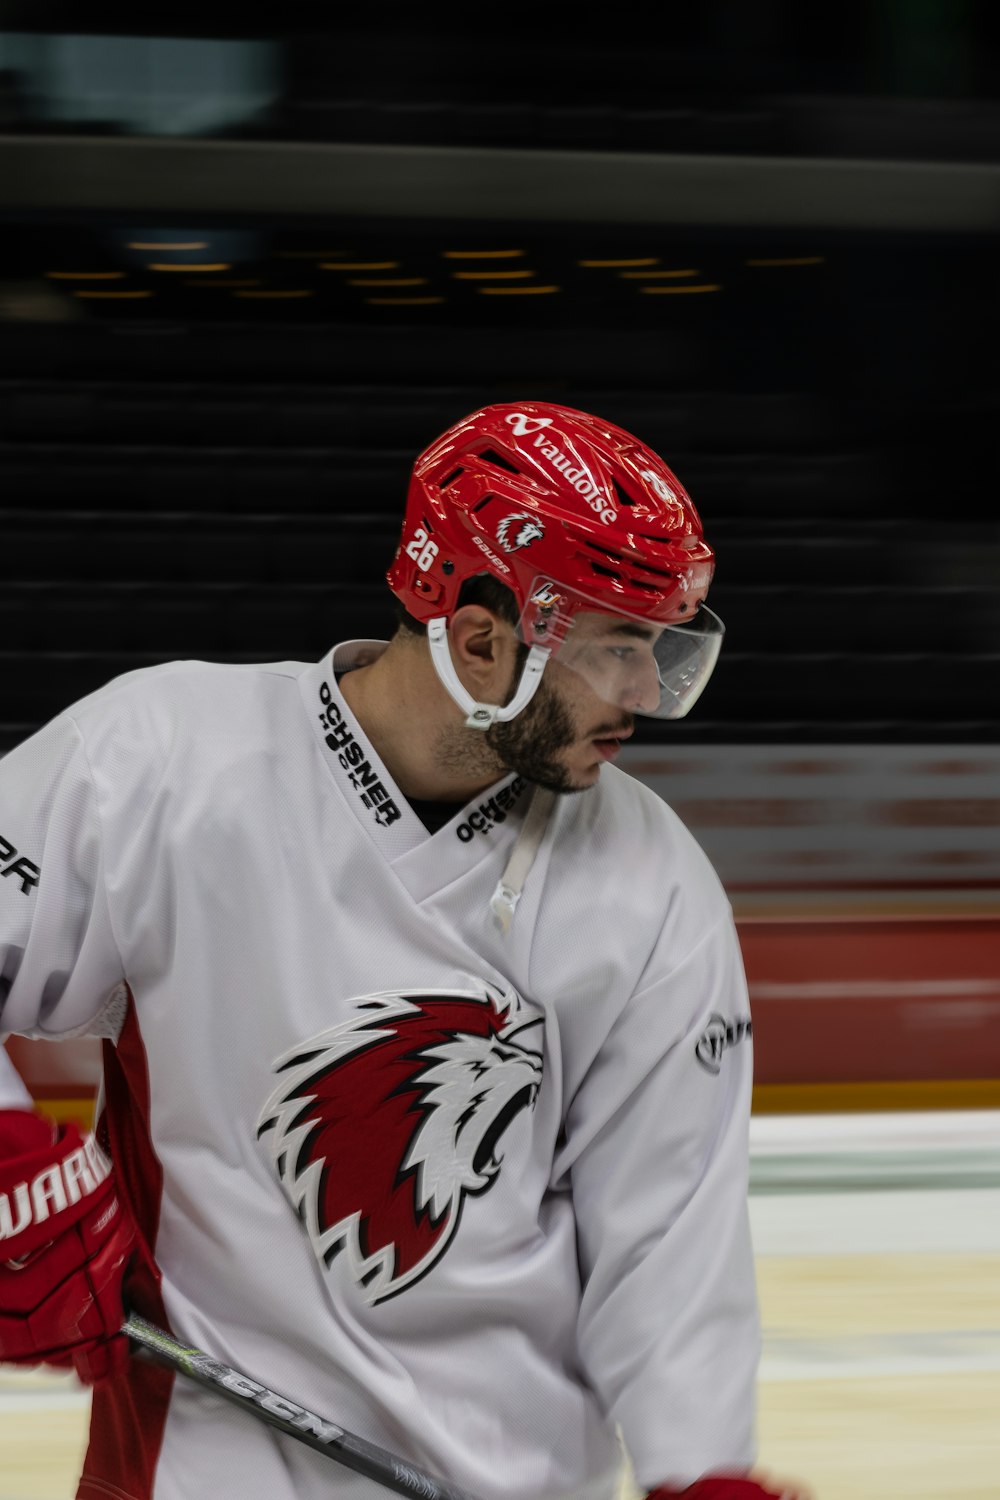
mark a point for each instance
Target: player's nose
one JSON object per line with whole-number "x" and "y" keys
{"x": 641, "y": 692}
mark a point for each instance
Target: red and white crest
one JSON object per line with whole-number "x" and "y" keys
{"x": 519, "y": 530}
{"x": 382, "y": 1126}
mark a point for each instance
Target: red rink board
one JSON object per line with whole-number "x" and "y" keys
{"x": 873, "y": 999}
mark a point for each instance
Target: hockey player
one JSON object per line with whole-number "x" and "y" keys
{"x": 427, "y": 1056}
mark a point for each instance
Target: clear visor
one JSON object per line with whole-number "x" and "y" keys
{"x": 631, "y": 663}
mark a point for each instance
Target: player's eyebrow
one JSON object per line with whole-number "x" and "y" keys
{"x": 641, "y": 632}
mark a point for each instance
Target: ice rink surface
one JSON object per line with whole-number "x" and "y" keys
{"x": 878, "y": 1256}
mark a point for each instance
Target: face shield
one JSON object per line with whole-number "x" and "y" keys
{"x": 633, "y": 663}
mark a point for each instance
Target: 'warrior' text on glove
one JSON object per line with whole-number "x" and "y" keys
{"x": 65, "y": 1245}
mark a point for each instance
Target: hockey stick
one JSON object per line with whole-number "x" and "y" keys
{"x": 326, "y": 1437}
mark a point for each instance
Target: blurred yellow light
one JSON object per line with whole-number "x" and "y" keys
{"x": 789, "y": 260}
{"x": 85, "y": 275}
{"x": 387, "y": 280}
{"x": 680, "y": 291}
{"x": 515, "y": 291}
{"x": 158, "y": 265}
{"x": 359, "y": 265}
{"x": 403, "y": 301}
{"x": 167, "y": 244}
{"x": 652, "y": 260}
{"x": 122, "y": 296}
{"x": 491, "y": 275}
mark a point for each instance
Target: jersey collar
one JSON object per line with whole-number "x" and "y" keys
{"x": 349, "y": 756}
{"x": 366, "y": 784}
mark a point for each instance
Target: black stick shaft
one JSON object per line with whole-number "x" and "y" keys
{"x": 289, "y": 1417}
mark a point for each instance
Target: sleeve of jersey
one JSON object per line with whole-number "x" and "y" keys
{"x": 58, "y": 958}
{"x": 14, "y": 1093}
{"x": 657, "y": 1150}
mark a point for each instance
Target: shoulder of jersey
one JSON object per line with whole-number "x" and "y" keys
{"x": 202, "y": 695}
{"x": 623, "y": 822}
{"x": 623, "y": 805}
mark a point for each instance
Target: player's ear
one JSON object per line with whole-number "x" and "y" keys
{"x": 483, "y": 647}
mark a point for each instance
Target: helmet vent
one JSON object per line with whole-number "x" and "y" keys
{"x": 686, "y": 542}
{"x": 450, "y": 478}
{"x": 492, "y": 457}
{"x": 624, "y": 498}
{"x": 631, "y": 562}
{"x": 626, "y": 578}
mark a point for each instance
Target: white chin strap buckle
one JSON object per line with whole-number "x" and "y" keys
{"x": 482, "y": 715}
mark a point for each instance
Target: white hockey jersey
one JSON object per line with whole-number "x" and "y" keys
{"x": 478, "y": 1196}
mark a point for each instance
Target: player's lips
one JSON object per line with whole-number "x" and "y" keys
{"x": 609, "y": 745}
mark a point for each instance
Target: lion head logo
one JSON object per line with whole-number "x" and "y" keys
{"x": 519, "y": 530}
{"x": 382, "y": 1126}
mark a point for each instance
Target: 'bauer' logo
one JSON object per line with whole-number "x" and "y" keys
{"x": 26, "y": 871}
{"x": 383, "y": 1125}
{"x": 717, "y": 1036}
{"x": 519, "y": 530}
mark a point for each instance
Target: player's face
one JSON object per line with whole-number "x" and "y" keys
{"x": 583, "y": 709}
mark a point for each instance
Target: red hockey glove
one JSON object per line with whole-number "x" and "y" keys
{"x": 723, "y": 1487}
{"x": 65, "y": 1244}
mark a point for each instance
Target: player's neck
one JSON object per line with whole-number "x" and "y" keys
{"x": 415, "y": 727}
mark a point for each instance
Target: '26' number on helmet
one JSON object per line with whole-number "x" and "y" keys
{"x": 422, "y": 550}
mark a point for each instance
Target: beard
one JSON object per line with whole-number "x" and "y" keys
{"x": 529, "y": 744}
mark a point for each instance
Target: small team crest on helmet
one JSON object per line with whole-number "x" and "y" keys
{"x": 523, "y": 425}
{"x": 659, "y": 484}
{"x": 382, "y": 1127}
{"x": 519, "y": 530}
{"x": 546, "y": 597}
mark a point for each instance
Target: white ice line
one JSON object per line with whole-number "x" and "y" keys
{"x": 874, "y": 1356}
{"x": 37, "y": 1401}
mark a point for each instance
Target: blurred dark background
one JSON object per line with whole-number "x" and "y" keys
{"x": 245, "y": 275}
{"x": 248, "y": 271}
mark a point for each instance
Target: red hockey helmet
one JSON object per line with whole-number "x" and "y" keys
{"x": 574, "y": 515}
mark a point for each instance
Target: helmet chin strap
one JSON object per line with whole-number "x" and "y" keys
{"x": 482, "y": 715}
